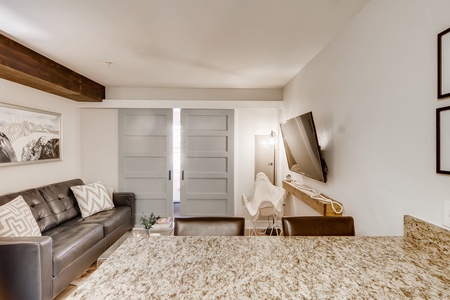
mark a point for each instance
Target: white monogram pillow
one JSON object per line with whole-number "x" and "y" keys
{"x": 16, "y": 219}
{"x": 92, "y": 198}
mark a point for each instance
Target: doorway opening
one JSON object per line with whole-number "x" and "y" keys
{"x": 176, "y": 133}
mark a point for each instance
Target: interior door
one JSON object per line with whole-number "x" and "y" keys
{"x": 207, "y": 158}
{"x": 265, "y": 156}
{"x": 145, "y": 159}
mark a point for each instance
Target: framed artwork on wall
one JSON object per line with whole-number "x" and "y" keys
{"x": 29, "y": 135}
{"x": 443, "y": 140}
{"x": 444, "y": 64}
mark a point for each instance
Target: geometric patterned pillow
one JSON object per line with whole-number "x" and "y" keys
{"x": 16, "y": 219}
{"x": 92, "y": 198}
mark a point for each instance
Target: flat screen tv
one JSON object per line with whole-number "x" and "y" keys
{"x": 302, "y": 147}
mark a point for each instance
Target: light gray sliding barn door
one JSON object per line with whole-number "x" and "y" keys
{"x": 207, "y": 143}
{"x": 145, "y": 159}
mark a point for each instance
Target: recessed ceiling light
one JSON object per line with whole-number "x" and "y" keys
{"x": 108, "y": 63}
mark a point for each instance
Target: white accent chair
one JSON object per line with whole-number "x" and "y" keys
{"x": 266, "y": 201}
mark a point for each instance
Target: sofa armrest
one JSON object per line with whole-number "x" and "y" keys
{"x": 26, "y": 268}
{"x": 126, "y": 199}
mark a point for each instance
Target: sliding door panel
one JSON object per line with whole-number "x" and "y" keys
{"x": 209, "y": 207}
{"x": 207, "y": 162}
{"x": 145, "y": 159}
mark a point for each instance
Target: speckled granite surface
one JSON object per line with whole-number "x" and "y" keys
{"x": 170, "y": 267}
{"x": 426, "y": 236}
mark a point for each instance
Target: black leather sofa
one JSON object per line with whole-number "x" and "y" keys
{"x": 42, "y": 267}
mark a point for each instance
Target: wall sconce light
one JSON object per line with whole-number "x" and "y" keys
{"x": 272, "y": 137}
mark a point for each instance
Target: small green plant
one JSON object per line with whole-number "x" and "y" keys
{"x": 148, "y": 221}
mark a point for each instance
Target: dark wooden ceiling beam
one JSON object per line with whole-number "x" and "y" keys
{"x": 25, "y": 66}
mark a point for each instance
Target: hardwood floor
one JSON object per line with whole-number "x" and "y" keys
{"x": 66, "y": 293}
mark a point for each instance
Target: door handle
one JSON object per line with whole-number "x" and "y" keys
{"x": 170, "y": 174}
{"x": 182, "y": 175}
{"x": 270, "y": 164}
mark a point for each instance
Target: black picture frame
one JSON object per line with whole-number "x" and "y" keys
{"x": 443, "y": 67}
{"x": 443, "y": 140}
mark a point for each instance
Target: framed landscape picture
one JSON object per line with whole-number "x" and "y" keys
{"x": 443, "y": 140}
{"x": 444, "y": 64}
{"x": 29, "y": 135}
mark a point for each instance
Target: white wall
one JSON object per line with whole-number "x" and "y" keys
{"x": 100, "y": 146}
{"x": 188, "y": 94}
{"x": 18, "y": 177}
{"x": 372, "y": 91}
{"x": 250, "y": 122}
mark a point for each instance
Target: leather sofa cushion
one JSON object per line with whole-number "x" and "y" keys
{"x": 70, "y": 241}
{"x": 61, "y": 200}
{"x": 110, "y": 219}
{"x": 39, "y": 207}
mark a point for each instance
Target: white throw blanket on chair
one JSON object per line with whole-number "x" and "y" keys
{"x": 266, "y": 197}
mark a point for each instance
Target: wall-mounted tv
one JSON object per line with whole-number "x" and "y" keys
{"x": 302, "y": 147}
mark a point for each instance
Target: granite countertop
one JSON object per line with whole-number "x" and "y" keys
{"x": 169, "y": 267}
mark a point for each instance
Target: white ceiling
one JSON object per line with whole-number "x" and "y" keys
{"x": 179, "y": 43}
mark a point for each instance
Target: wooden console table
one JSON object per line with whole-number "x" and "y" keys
{"x": 321, "y": 207}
